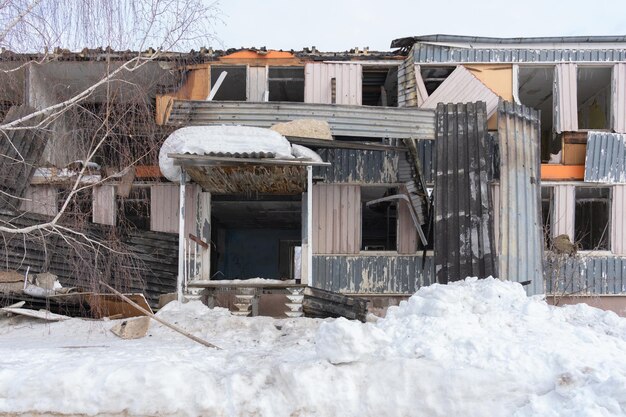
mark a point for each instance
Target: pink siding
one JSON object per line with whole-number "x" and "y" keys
{"x": 619, "y": 98}
{"x": 565, "y": 98}
{"x": 564, "y": 206}
{"x": 104, "y": 209}
{"x": 336, "y": 219}
{"x": 164, "y": 208}
{"x": 317, "y": 83}
{"x": 407, "y": 235}
{"x": 618, "y": 220}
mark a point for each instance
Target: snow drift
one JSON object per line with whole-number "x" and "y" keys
{"x": 473, "y": 348}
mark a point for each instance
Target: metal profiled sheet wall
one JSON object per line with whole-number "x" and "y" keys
{"x": 336, "y": 219}
{"x": 164, "y": 207}
{"x": 521, "y": 233}
{"x": 373, "y": 274}
{"x": 619, "y": 98}
{"x": 566, "y": 99}
{"x": 606, "y": 158}
{"x": 463, "y": 216}
{"x": 563, "y": 215}
{"x": 318, "y": 85}
{"x": 358, "y": 166}
{"x": 585, "y": 275}
{"x": 426, "y": 152}
{"x": 618, "y": 220}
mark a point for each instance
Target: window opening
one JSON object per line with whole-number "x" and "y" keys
{"x": 536, "y": 86}
{"x": 594, "y": 97}
{"x": 234, "y": 85}
{"x": 380, "y": 86}
{"x": 378, "y": 221}
{"x": 591, "y": 221}
{"x": 286, "y": 84}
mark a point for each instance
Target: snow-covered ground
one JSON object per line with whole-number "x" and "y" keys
{"x": 475, "y": 348}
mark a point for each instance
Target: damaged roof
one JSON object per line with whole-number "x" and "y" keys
{"x": 442, "y": 38}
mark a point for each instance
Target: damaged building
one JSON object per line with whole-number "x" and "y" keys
{"x": 366, "y": 174}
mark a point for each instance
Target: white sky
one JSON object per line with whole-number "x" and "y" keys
{"x": 338, "y": 25}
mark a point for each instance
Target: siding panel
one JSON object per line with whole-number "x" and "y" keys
{"x": 618, "y": 220}
{"x": 563, "y": 216}
{"x": 619, "y": 98}
{"x": 257, "y": 83}
{"x": 605, "y": 159}
{"x": 317, "y": 83}
{"x": 104, "y": 205}
{"x": 333, "y": 205}
{"x": 566, "y": 100}
{"x": 40, "y": 199}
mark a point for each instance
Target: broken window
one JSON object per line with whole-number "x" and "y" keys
{"x": 594, "y": 97}
{"x": 378, "y": 220}
{"x": 434, "y": 76}
{"x": 380, "y": 86}
{"x": 286, "y": 84}
{"x": 233, "y": 86}
{"x": 547, "y": 207}
{"x": 134, "y": 210}
{"x": 535, "y": 89}
{"x": 591, "y": 218}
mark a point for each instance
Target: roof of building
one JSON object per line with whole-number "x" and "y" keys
{"x": 442, "y": 38}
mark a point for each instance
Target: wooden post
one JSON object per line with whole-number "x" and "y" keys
{"x": 309, "y": 225}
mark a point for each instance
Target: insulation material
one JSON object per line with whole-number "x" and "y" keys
{"x": 336, "y": 219}
{"x": 605, "y": 160}
{"x": 305, "y": 128}
{"x": 318, "y": 84}
{"x": 40, "y": 199}
{"x": 563, "y": 215}
{"x": 257, "y": 83}
{"x": 463, "y": 243}
{"x": 618, "y": 220}
{"x": 619, "y": 98}
{"x": 462, "y": 87}
{"x": 565, "y": 98}
{"x": 104, "y": 206}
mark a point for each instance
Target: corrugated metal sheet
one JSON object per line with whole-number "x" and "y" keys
{"x": 521, "y": 233}
{"x": 318, "y": 84}
{"x": 462, "y": 87}
{"x": 606, "y": 157}
{"x": 618, "y": 220}
{"x": 20, "y": 153}
{"x": 358, "y": 166}
{"x": 372, "y": 274}
{"x": 40, "y": 199}
{"x": 618, "y": 113}
{"x": 406, "y": 232}
{"x": 463, "y": 236}
{"x": 336, "y": 219}
{"x": 565, "y": 98}
{"x": 257, "y": 83}
{"x": 104, "y": 205}
{"x": 164, "y": 200}
{"x": 355, "y": 121}
{"x": 428, "y": 53}
{"x": 585, "y": 275}
{"x": 495, "y": 203}
{"x": 411, "y": 87}
{"x": 563, "y": 216}
{"x": 426, "y": 152}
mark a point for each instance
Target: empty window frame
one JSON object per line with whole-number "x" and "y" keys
{"x": 134, "y": 210}
{"x": 378, "y": 221}
{"x": 233, "y": 87}
{"x": 380, "y": 86}
{"x": 536, "y": 90}
{"x": 286, "y": 84}
{"x": 594, "y": 97}
{"x": 434, "y": 76}
{"x": 591, "y": 218}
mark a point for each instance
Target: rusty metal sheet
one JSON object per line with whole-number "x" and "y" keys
{"x": 605, "y": 161}
{"x": 521, "y": 232}
{"x": 463, "y": 216}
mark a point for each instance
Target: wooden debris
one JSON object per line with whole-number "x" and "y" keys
{"x": 132, "y": 328}
{"x": 106, "y": 305}
{"x": 37, "y": 314}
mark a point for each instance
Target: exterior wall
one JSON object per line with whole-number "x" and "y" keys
{"x": 618, "y": 220}
{"x": 406, "y": 232}
{"x": 358, "y": 166}
{"x": 336, "y": 219}
{"x": 565, "y": 98}
{"x": 40, "y": 199}
{"x": 257, "y": 83}
{"x": 164, "y": 200}
{"x": 318, "y": 84}
{"x": 104, "y": 206}
{"x": 584, "y": 275}
{"x": 563, "y": 216}
{"x": 619, "y": 98}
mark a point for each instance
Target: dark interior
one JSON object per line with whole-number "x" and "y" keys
{"x": 234, "y": 85}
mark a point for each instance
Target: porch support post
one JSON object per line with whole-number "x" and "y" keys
{"x": 309, "y": 225}
{"x": 181, "y": 236}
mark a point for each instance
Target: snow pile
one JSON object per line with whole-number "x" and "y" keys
{"x": 225, "y": 141}
{"x": 474, "y": 348}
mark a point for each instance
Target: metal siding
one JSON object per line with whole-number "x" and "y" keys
{"x": 618, "y": 220}
{"x": 104, "y": 207}
{"x": 521, "y": 233}
{"x": 257, "y": 83}
{"x": 495, "y": 203}
{"x": 373, "y": 274}
{"x": 407, "y": 235}
{"x": 619, "y": 98}
{"x": 40, "y": 199}
{"x": 463, "y": 236}
{"x": 164, "y": 207}
{"x": 566, "y": 100}
{"x": 605, "y": 160}
{"x": 580, "y": 275}
{"x": 336, "y": 219}
{"x": 355, "y": 121}
{"x": 462, "y": 87}
{"x": 428, "y": 53}
{"x": 317, "y": 83}
{"x": 354, "y": 165}
{"x": 563, "y": 215}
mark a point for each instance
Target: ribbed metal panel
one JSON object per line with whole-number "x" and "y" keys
{"x": 563, "y": 215}
{"x": 372, "y": 274}
{"x": 606, "y": 157}
{"x": 565, "y": 98}
{"x": 463, "y": 235}
{"x": 462, "y": 87}
{"x": 585, "y": 275}
{"x": 318, "y": 84}
{"x": 521, "y": 234}
{"x": 336, "y": 219}
{"x": 355, "y": 121}
{"x": 619, "y": 98}
{"x": 358, "y": 166}
{"x": 428, "y": 53}
{"x": 164, "y": 200}
{"x": 618, "y": 220}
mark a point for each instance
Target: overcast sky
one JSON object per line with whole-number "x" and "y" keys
{"x": 338, "y": 25}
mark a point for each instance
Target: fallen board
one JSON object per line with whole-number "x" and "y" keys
{"x": 37, "y": 314}
{"x": 106, "y": 305}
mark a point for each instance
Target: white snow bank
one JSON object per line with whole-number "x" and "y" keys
{"x": 226, "y": 141}
{"x": 474, "y": 348}
{"x": 302, "y": 152}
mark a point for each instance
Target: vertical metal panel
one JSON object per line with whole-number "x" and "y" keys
{"x": 605, "y": 159}
{"x": 373, "y": 274}
{"x": 164, "y": 208}
{"x": 336, "y": 218}
{"x": 566, "y": 100}
{"x": 462, "y": 87}
{"x": 362, "y": 166}
{"x": 618, "y": 220}
{"x": 317, "y": 83}
{"x": 618, "y": 113}
{"x": 104, "y": 208}
{"x": 40, "y": 199}
{"x": 495, "y": 203}
{"x": 257, "y": 83}
{"x": 407, "y": 235}
{"x": 411, "y": 87}
{"x": 521, "y": 234}
{"x": 581, "y": 275}
{"x": 463, "y": 235}
{"x": 563, "y": 215}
